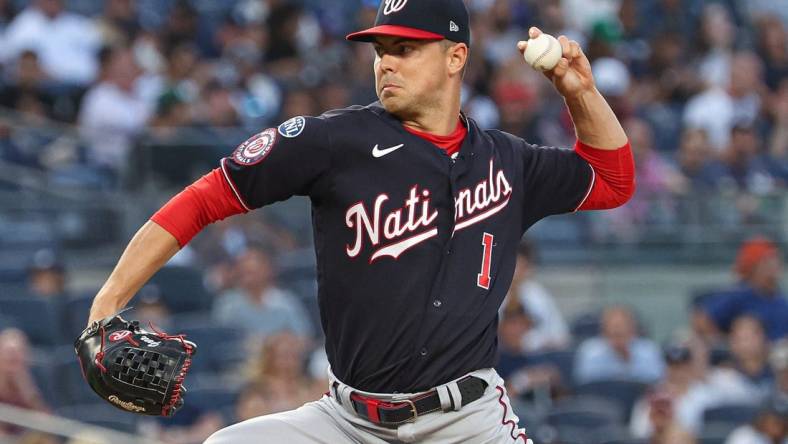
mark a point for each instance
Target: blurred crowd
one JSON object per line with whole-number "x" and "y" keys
{"x": 599, "y": 378}
{"x": 700, "y": 85}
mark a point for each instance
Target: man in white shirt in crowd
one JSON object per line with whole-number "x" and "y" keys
{"x": 66, "y": 43}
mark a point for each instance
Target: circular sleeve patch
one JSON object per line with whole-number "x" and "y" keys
{"x": 254, "y": 150}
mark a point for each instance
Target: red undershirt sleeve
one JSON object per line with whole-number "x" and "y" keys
{"x": 208, "y": 200}
{"x": 613, "y": 181}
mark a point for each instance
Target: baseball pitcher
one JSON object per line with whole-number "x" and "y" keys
{"x": 417, "y": 213}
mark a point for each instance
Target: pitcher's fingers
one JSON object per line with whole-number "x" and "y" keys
{"x": 566, "y": 50}
{"x": 561, "y": 68}
{"x": 574, "y": 50}
{"x": 534, "y": 32}
{"x": 521, "y": 45}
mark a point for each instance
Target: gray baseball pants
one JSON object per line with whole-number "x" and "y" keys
{"x": 488, "y": 420}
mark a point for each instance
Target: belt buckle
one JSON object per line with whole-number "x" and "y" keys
{"x": 412, "y": 410}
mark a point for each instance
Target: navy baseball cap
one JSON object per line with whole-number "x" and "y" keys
{"x": 419, "y": 20}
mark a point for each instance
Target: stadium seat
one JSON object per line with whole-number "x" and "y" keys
{"x": 75, "y": 311}
{"x": 219, "y": 347}
{"x": 72, "y": 387}
{"x": 585, "y": 326}
{"x": 625, "y": 393}
{"x": 212, "y": 399}
{"x": 586, "y": 412}
{"x": 44, "y": 377}
{"x": 618, "y": 434}
{"x": 182, "y": 289}
{"x": 563, "y": 360}
{"x": 11, "y": 290}
{"x": 730, "y": 413}
{"x": 38, "y": 318}
{"x": 101, "y": 414}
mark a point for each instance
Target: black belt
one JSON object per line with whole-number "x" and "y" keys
{"x": 402, "y": 411}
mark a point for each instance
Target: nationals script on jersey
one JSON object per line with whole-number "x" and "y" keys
{"x": 412, "y": 224}
{"x": 415, "y": 250}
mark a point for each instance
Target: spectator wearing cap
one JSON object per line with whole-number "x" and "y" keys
{"x": 618, "y": 353}
{"x": 513, "y": 364}
{"x": 769, "y": 427}
{"x": 673, "y": 402}
{"x": 759, "y": 267}
{"x": 548, "y": 329}
{"x": 46, "y": 276}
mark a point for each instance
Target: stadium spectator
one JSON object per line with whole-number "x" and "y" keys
{"x": 279, "y": 370}
{"x": 47, "y": 275}
{"x": 513, "y": 364}
{"x": 673, "y": 402}
{"x": 27, "y": 81}
{"x": 547, "y": 328}
{"x": 257, "y": 304}
{"x": 113, "y": 114}
{"x": 17, "y": 386}
{"x": 778, "y": 140}
{"x": 773, "y": 49}
{"x": 686, "y": 391}
{"x": 118, "y": 24}
{"x": 759, "y": 268}
{"x": 718, "y": 109}
{"x": 659, "y": 420}
{"x": 66, "y": 43}
{"x": 745, "y": 164}
{"x": 256, "y": 400}
{"x": 701, "y": 171}
{"x": 618, "y": 353}
{"x": 769, "y": 427}
{"x": 750, "y": 352}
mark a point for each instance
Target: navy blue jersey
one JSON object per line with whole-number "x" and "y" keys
{"x": 415, "y": 250}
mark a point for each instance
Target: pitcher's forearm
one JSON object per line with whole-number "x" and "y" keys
{"x": 595, "y": 122}
{"x": 147, "y": 252}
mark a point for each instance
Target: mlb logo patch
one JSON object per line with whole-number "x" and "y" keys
{"x": 293, "y": 127}
{"x": 254, "y": 150}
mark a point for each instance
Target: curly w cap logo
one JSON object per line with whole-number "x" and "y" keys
{"x": 394, "y": 6}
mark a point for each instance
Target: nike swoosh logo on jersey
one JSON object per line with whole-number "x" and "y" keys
{"x": 380, "y": 153}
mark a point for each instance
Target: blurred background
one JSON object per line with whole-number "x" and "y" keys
{"x": 661, "y": 322}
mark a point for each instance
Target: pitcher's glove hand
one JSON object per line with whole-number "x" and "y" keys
{"x": 134, "y": 369}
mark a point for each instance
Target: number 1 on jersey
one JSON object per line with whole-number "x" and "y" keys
{"x": 483, "y": 278}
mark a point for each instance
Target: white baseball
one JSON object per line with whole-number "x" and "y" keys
{"x": 543, "y": 52}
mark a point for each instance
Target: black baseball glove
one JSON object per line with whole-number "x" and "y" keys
{"x": 134, "y": 369}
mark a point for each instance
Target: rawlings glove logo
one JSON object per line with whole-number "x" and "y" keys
{"x": 130, "y": 406}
